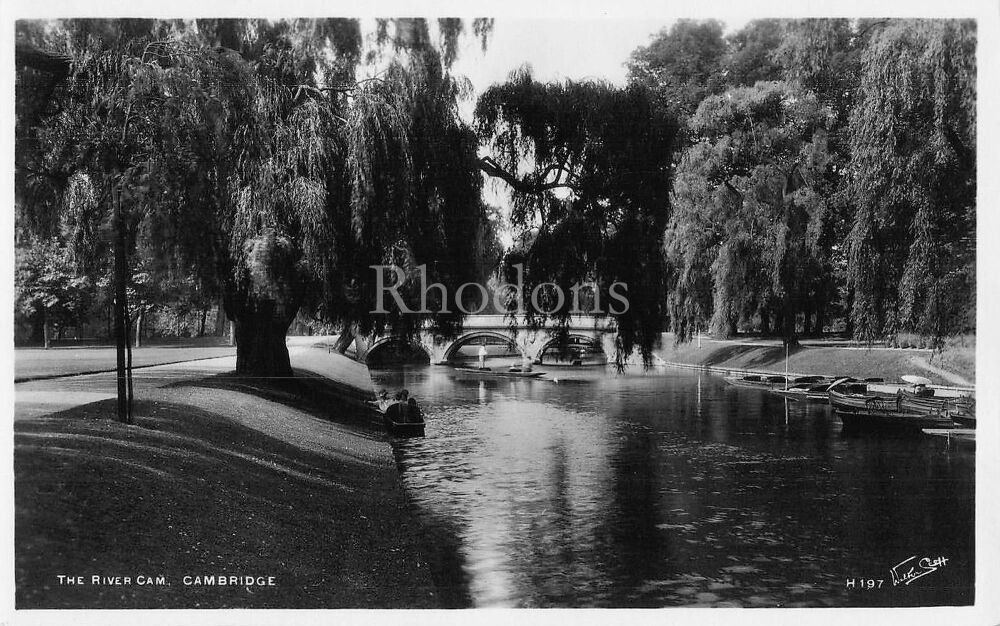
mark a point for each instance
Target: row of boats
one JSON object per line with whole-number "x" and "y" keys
{"x": 872, "y": 403}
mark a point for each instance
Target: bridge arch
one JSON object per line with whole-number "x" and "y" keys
{"x": 396, "y": 341}
{"x": 588, "y": 342}
{"x": 465, "y": 339}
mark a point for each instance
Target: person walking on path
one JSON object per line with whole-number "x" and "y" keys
{"x": 482, "y": 356}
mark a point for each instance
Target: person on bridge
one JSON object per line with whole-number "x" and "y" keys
{"x": 482, "y": 356}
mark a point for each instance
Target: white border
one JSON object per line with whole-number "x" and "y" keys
{"x": 987, "y": 608}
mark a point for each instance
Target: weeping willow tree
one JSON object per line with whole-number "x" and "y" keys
{"x": 248, "y": 154}
{"x": 588, "y": 168}
{"x": 913, "y": 181}
{"x": 749, "y": 241}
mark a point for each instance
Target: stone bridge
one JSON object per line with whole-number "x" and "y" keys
{"x": 591, "y": 330}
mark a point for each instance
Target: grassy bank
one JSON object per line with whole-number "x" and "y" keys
{"x": 954, "y": 366}
{"x": 213, "y": 480}
{"x": 38, "y": 364}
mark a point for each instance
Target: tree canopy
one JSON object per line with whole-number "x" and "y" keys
{"x": 828, "y": 171}
{"x": 246, "y": 153}
{"x": 750, "y": 210}
{"x": 913, "y": 180}
{"x": 588, "y": 165}
{"x": 783, "y": 178}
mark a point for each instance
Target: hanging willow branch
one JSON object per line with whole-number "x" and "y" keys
{"x": 492, "y": 168}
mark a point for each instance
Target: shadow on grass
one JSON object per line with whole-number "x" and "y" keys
{"x": 319, "y": 396}
{"x": 185, "y": 493}
{"x": 316, "y": 395}
{"x": 756, "y": 356}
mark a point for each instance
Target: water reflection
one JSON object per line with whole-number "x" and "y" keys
{"x": 670, "y": 488}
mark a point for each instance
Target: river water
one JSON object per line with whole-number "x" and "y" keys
{"x": 671, "y": 488}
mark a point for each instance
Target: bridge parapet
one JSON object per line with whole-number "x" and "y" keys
{"x": 604, "y": 323}
{"x": 530, "y": 342}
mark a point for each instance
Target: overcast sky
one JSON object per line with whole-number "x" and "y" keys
{"x": 556, "y": 49}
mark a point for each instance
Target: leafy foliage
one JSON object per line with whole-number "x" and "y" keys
{"x": 881, "y": 219}
{"x": 593, "y": 202}
{"x": 48, "y": 282}
{"x": 750, "y": 210}
{"x": 913, "y": 137}
{"x": 251, "y": 159}
{"x": 681, "y": 65}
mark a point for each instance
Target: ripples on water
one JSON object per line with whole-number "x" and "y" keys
{"x": 670, "y": 488}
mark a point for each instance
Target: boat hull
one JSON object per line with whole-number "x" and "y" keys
{"x": 902, "y": 409}
{"x": 502, "y": 374}
{"x": 956, "y": 405}
{"x": 407, "y": 429}
{"x": 395, "y": 425}
{"x": 737, "y": 381}
{"x": 810, "y": 396}
{"x": 861, "y": 419}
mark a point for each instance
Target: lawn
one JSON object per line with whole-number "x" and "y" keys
{"x": 212, "y": 481}
{"x": 36, "y": 363}
{"x": 888, "y": 363}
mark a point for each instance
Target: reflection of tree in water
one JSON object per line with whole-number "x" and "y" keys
{"x": 634, "y": 549}
{"x": 550, "y": 546}
{"x": 619, "y": 492}
{"x": 442, "y": 547}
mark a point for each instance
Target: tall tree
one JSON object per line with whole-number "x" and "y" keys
{"x": 267, "y": 170}
{"x": 750, "y": 212}
{"x": 750, "y": 53}
{"x": 681, "y": 65}
{"x": 588, "y": 166}
{"x": 913, "y": 181}
{"x": 48, "y": 284}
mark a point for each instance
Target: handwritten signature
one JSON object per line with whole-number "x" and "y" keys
{"x": 913, "y": 568}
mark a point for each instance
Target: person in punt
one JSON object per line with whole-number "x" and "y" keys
{"x": 413, "y": 412}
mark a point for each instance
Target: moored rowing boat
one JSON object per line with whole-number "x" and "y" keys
{"x": 877, "y": 419}
{"x": 859, "y": 407}
{"x": 401, "y": 421}
{"x": 504, "y": 374}
{"x": 770, "y": 381}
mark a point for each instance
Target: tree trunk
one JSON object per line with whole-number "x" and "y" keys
{"x": 121, "y": 312}
{"x": 221, "y": 321}
{"x": 765, "y": 322}
{"x": 128, "y": 360}
{"x": 138, "y": 328}
{"x": 260, "y": 326}
{"x": 788, "y": 328}
{"x": 201, "y": 327}
{"x": 346, "y": 338}
{"x": 46, "y": 333}
{"x": 729, "y": 330}
{"x": 260, "y": 344}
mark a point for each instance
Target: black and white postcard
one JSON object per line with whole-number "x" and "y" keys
{"x": 594, "y": 308}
